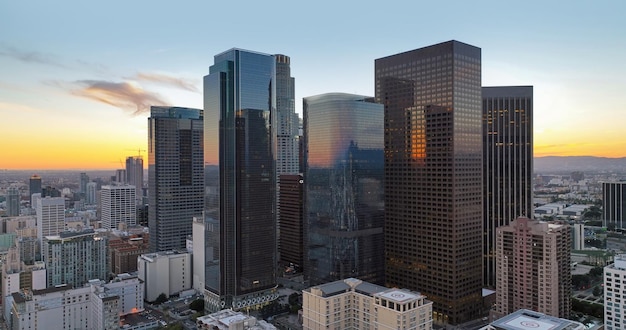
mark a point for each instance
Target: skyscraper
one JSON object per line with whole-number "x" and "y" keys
{"x": 508, "y": 163}
{"x": 287, "y": 160}
{"x": 533, "y": 261}
{"x": 291, "y": 243}
{"x": 175, "y": 175}
{"x": 433, "y": 175}
{"x": 90, "y": 197}
{"x": 13, "y": 202}
{"x": 239, "y": 108}
{"x": 344, "y": 201}
{"x": 34, "y": 187}
{"x": 84, "y": 179}
{"x": 614, "y": 204}
{"x": 50, "y": 216}
{"x": 118, "y": 206}
{"x": 134, "y": 175}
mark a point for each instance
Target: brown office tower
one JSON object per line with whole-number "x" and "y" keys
{"x": 533, "y": 268}
{"x": 291, "y": 240}
{"x": 433, "y": 175}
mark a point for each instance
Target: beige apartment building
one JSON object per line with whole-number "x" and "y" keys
{"x": 354, "y": 304}
{"x": 533, "y": 269}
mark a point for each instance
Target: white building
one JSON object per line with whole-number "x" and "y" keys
{"x": 354, "y": 304}
{"x": 50, "y": 216}
{"x": 615, "y": 293}
{"x": 199, "y": 250}
{"x": 228, "y": 319}
{"x": 525, "y": 319}
{"x": 164, "y": 272}
{"x": 578, "y": 238}
{"x": 118, "y": 206}
{"x": 90, "y": 196}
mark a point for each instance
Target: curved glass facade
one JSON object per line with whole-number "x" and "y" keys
{"x": 344, "y": 207}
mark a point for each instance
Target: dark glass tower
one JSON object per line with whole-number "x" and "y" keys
{"x": 344, "y": 207}
{"x": 175, "y": 175}
{"x": 240, "y": 103}
{"x": 433, "y": 175}
{"x": 508, "y": 164}
{"x": 134, "y": 175}
{"x": 34, "y": 187}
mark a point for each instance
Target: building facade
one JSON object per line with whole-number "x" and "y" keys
{"x": 291, "y": 221}
{"x": 508, "y": 164}
{"x": 34, "y": 187}
{"x": 166, "y": 272}
{"x": 533, "y": 263}
{"x": 13, "y": 202}
{"x": 50, "y": 216}
{"x": 344, "y": 200}
{"x": 240, "y": 156}
{"x": 90, "y": 197}
{"x": 433, "y": 175}
{"x": 118, "y": 206}
{"x": 74, "y": 258}
{"x": 175, "y": 175}
{"x": 354, "y": 304}
{"x": 525, "y": 319}
{"x": 134, "y": 176}
{"x": 287, "y": 121}
{"x": 614, "y": 204}
{"x": 614, "y": 291}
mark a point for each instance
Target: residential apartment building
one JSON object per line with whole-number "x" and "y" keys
{"x": 533, "y": 264}
{"x": 354, "y": 304}
{"x": 615, "y": 294}
{"x": 118, "y": 206}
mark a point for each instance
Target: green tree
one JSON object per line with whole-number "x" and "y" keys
{"x": 197, "y": 305}
{"x": 597, "y": 291}
{"x": 160, "y": 299}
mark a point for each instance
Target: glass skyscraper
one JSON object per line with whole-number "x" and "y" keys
{"x": 508, "y": 163}
{"x": 175, "y": 175}
{"x": 240, "y": 159}
{"x": 344, "y": 206}
{"x": 433, "y": 175}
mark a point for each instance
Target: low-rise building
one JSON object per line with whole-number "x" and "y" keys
{"x": 228, "y": 319}
{"x": 164, "y": 272}
{"x": 525, "y": 319}
{"x": 354, "y": 304}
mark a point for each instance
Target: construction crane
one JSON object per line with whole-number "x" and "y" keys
{"x": 139, "y": 150}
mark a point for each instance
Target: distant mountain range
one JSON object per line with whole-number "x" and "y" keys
{"x": 554, "y": 164}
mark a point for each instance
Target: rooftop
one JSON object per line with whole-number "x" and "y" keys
{"x": 527, "y": 319}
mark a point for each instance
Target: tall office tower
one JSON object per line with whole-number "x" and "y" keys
{"x": 175, "y": 175}
{"x": 533, "y": 268}
{"x": 120, "y": 175}
{"x": 84, "y": 179}
{"x": 134, "y": 175}
{"x": 118, "y": 206}
{"x": 34, "y": 187}
{"x": 74, "y": 258}
{"x": 291, "y": 244}
{"x": 614, "y": 279}
{"x": 344, "y": 201}
{"x": 50, "y": 216}
{"x": 13, "y": 202}
{"x": 287, "y": 159}
{"x": 90, "y": 197}
{"x": 433, "y": 175}
{"x": 614, "y": 204}
{"x": 239, "y": 109}
{"x": 508, "y": 164}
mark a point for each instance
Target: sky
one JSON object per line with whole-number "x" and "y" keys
{"x": 77, "y": 78}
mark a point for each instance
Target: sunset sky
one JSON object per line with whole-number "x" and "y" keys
{"x": 77, "y": 79}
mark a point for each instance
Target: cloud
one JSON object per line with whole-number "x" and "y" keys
{"x": 124, "y": 95}
{"x": 30, "y": 57}
{"x": 182, "y": 83}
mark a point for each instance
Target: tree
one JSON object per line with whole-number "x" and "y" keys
{"x": 160, "y": 299}
{"x": 197, "y": 305}
{"x": 597, "y": 291}
{"x": 596, "y": 271}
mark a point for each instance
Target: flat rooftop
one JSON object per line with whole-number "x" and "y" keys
{"x": 524, "y": 319}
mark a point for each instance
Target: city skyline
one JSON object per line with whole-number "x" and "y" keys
{"x": 80, "y": 80}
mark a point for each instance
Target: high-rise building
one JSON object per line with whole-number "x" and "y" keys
{"x": 13, "y": 202}
{"x": 240, "y": 156}
{"x": 614, "y": 291}
{"x": 34, "y": 187}
{"x": 433, "y": 175}
{"x": 291, "y": 222}
{"x": 356, "y": 304}
{"x": 118, "y": 206}
{"x": 74, "y": 258}
{"x": 50, "y": 216}
{"x": 528, "y": 319}
{"x": 344, "y": 200}
{"x": 533, "y": 263}
{"x": 90, "y": 197}
{"x": 134, "y": 175}
{"x": 287, "y": 121}
{"x": 614, "y": 204}
{"x": 175, "y": 175}
{"x": 508, "y": 164}
{"x": 120, "y": 175}
{"x": 84, "y": 179}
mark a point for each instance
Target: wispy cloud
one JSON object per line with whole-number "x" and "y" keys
{"x": 30, "y": 56}
{"x": 162, "y": 79}
{"x": 124, "y": 95}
